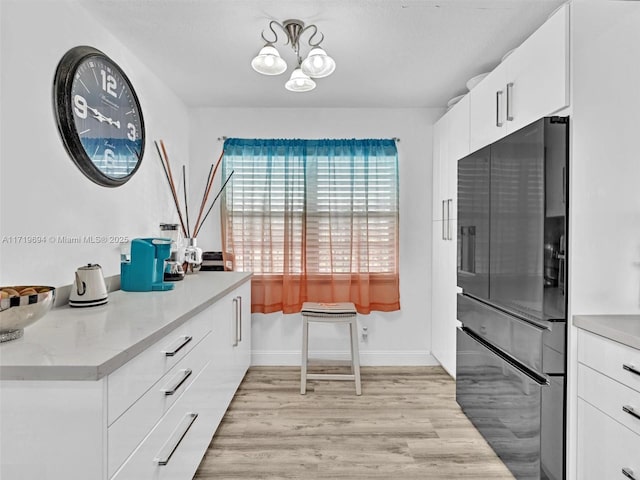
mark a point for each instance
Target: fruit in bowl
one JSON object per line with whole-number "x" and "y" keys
{"x": 22, "y": 305}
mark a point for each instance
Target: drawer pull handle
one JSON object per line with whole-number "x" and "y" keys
{"x": 627, "y": 472}
{"x": 184, "y": 340}
{"x": 630, "y": 368}
{"x": 184, "y": 374}
{"x": 170, "y": 446}
{"x": 631, "y": 411}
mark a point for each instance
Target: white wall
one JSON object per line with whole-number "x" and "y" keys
{"x": 394, "y": 338}
{"x": 604, "y": 248}
{"x": 42, "y": 193}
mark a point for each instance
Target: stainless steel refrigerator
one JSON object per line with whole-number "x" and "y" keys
{"x": 512, "y": 263}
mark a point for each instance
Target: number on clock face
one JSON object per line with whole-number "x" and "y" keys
{"x": 106, "y": 117}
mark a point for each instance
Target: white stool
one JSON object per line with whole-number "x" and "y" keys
{"x": 330, "y": 313}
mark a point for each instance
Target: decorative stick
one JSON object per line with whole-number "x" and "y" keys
{"x": 206, "y": 194}
{"x": 184, "y": 187}
{"x": 214, "y": 202}
{"x": 171, "y": 187}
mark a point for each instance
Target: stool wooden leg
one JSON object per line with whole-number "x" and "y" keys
{"x": 305, "y": 355}
{"x": 355, "y": 356}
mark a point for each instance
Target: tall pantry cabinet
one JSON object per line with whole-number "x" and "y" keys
{"x": 591, "y": 50}
{"x": 451, "y": 143}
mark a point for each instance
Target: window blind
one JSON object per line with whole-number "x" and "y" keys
{"x": 312, "y": 208}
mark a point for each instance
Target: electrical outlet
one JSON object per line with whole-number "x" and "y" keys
{"x": 365, "y": 334}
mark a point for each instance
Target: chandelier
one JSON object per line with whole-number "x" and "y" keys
{"x": 317, "y": 64}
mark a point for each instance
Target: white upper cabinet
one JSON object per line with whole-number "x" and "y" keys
{"x": 450, "y": 144}
{"x": 538, "y": 73}
{"x": 487, "y": 109}
{"x": 531, "y": 83}
{"x": 436, "y": 185}
{"x": 458, "y": 130}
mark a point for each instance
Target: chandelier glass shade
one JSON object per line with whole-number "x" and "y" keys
{"x": 316, "y": 64}
{"x": 299, "y": 82}
{"x": 269, "y": 61}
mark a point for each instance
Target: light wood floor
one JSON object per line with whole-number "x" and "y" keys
{"x": 406, "y": 425}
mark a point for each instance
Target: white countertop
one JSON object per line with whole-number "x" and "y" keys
{"x": 90, "y": 343}
{"x": 623, "y": 329}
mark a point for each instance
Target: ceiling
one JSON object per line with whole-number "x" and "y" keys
{"x": 389, "y": 53}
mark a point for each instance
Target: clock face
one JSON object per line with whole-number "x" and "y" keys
{"x": 99, "y": 116}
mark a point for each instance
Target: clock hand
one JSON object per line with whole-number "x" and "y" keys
{"x": 101, "y": 118}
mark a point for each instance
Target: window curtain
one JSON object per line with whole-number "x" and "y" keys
{"x": 314, "y": 220}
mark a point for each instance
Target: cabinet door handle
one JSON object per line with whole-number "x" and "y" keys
{"x": 449, "y": 219}
{"x": 239, "y": 317}
{"x": 170, "y": 446}
{"x": 510, "y": 101}
{"x": 630, "y": 368}
{"x": 627, "y": 472}
{"x": 631, "y": 411}
{"x": 444, "y": 234}
{"x": 183, "y": 341}
{"x": 235, "y": 322}
{"x": 184, "y": 374}
{"x": 499, "y": 121}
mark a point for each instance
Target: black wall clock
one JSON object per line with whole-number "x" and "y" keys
{"x": 98, "y": 116}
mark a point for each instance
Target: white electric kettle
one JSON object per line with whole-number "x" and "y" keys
{"x": 89, "y": 289}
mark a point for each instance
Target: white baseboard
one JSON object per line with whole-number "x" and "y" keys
{"x": 371, "y": 358}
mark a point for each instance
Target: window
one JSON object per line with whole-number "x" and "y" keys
{"x": 314, "y": 220}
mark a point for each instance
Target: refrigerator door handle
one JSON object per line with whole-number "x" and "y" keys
{"x": 564, "y": 185}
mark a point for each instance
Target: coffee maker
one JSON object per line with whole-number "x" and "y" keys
{"x": 173, "y": 270}
{"x": 144, "y": 269}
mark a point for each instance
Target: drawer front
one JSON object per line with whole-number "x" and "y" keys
{"x": 620, "y": 362}
{"x": 132, "y": 426}
{"x": 496, "y": 397}
{"x": 514, "y": 336}
{"x": 208, "y": 397}
{"x": 131, "y": 381}
{"x": 605, "y": 447}
{"x": 613, "y": 398}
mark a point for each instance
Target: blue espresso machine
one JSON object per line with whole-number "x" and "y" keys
{"x": 144, "y": 271}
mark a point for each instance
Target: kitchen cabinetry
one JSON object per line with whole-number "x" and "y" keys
{"x": 531, "y": 83}
{"x": 443, "y": 302}
{"x": 451, "y": 142}
{"x": 142, "y": 393}
{"x": 608, "y": 409}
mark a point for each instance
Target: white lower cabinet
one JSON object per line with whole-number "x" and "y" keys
{"x": 608, "y": 409}
{"x": 606, "y": 449}
{"x": 177, "y": 443}
{"x": 204, "y": 383}
{"x": 131, "y": 428}
{"x": 152, "y": 418}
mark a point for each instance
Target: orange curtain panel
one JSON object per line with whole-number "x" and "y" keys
{"x": 314, "y": 220}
